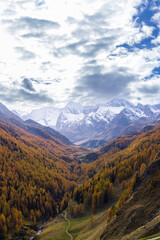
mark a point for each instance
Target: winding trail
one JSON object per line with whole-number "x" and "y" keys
{"x": 69, "y": 223}
{"x": 154, "y": 238}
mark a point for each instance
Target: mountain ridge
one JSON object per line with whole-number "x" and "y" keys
{"x": 99, "y": 123}
{"x": 10, "y": 118}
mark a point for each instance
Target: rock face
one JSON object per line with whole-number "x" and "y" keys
{"x": 99, "y": 123}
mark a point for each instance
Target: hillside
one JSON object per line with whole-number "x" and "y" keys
{"x": 141, "y": 212}
{"x": 133, "y": 163}
{"x": 35, "y": 172}
{"x": 80, "y": 120}
{"x": 9, "y": 118}
{"x": 40, "y": 174}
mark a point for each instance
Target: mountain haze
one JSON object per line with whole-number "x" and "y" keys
{"x": 92, "y": 126}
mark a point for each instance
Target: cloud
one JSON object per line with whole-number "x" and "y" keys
{"x": 86, "y": 48}
{"x": 95, "y": 49}
{"x": 32, "y": 25}
{"x": 40, "y": 3}
{"x": 15, "y": 94}
{"x": 149, "y": 89}
{"x": 156, "y": 18}
{"x": 25, "y": 54}
{"x": 91, "y": 68}
{"x": 102, "y": 32}
{"x": 102, "y": 44}
{"x": 156, "y": 41}
{"x": 9, "y": 12}
{"x": 107, "y": 85}
{"x": 35, "y": 23}
{"x": 27, "y": 84}
{"x": 35, "y": 80}
{"x": 40, "y": 97}
{"x": 33, "y": 35}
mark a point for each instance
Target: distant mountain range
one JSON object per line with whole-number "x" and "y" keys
{"x": 11, "y": 119}
{"x": 92, "y": 126}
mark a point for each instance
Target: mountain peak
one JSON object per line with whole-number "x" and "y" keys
{"x": 3, "y": 108}
{"x": 73, "y": 107}
{"x": 118, "y": 102}
{"x": 7, "y": 113}
{"x": 103, "y": 121}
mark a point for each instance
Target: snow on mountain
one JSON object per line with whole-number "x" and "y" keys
{"x": 133, "y": 114}
{"x": 116, "y": 102}
{"x": 67, "y": 119}
{"x": 75, "y": 112}
{"x": 88, "y": 109}
{"x": 74, "y": 108}
{"x": 102, "y": 114}
{"x": 79, "y": 122}
{"x": 155, "y": 108}
{"x": 46, "y": 116}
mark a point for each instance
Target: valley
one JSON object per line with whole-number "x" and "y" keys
{"x": 80, "y": 120}
{"x": 81, "y": 193}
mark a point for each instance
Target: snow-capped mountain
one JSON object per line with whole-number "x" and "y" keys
{"x": 46, "y": 116}
{"x": 73, "y": 108}
{"x": 103, "y": 121}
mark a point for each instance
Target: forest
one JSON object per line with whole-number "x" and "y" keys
{"x": 121, "y": 161}
{"x": 36, "y": 183}
{"x": 33, "y": 178}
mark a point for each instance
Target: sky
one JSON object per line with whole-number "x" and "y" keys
{"x": 87, "y": 51}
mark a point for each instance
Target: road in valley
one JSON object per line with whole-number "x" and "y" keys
{"x": 69, "y": 223}
{"x": 155, "y": 238}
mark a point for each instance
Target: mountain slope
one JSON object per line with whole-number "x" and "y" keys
{"x": 141, "y": 213}
{"x": 36, "y": 169}
{"x": 123, "y": 162}
{"x": 35, "y": 172}
{"x": 38, "y": 173}
{"x": 6, "y": 113}
{"x": 32, "y": 127}
{"x": 129, "y": 167}
{"x": 9, "y": 118}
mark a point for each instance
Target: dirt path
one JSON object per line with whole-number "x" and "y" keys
{"x": 154, "y": 238}
{"x": 69, "y": 223}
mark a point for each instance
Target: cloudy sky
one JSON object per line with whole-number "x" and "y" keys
{"x": 89, "y": 51}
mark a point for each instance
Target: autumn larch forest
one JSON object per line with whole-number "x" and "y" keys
{"x": 79, "y": 120}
